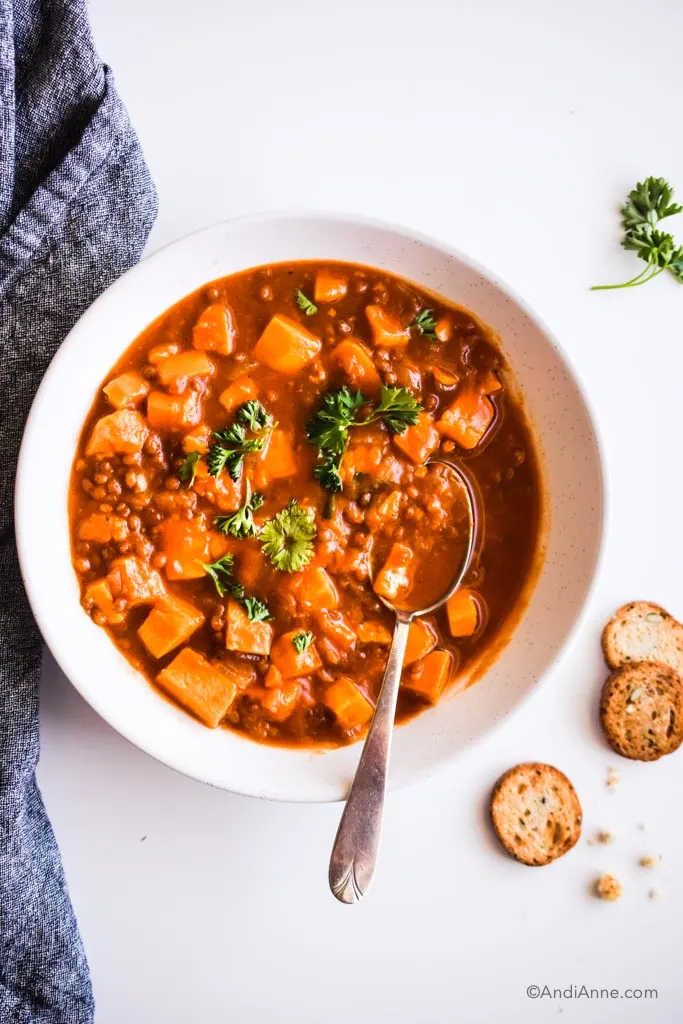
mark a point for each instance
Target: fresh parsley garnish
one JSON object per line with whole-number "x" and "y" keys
{"x": 188, "y": 470}
{"x": 302, "y": 641}
{"x": 229, "y": 450}
{"x": 221, "y": 573}
{"x": 241, "y": 523}
{"x": 257, "y": 611}
{"x": 304, "y": 303}
{"x": 398, "y": 408}
{"x": 254, "y": 416}
{"x": 425, "y": 323}
{"x": 650, "y": 202}
{"x": 287, "y": 538}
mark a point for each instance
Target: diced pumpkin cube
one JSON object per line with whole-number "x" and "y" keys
{"x": 356, "y": 363}
{"x": 176, "y": 371}
{"x": 160, "y": 352}
{"x": 373, "y": 633}
{"x": 387, "y": 330}
{"x": 118, "y": 433}
{"x": 390, "y": 470}
{"x": 334, "y": 624}
{"x": 241, "y": 634}
{"x": 422, "y": 639}
{"x": 463, "y": 613}
{"x": 446, "y": 378}
{"x": 240, "y": 391}
{"x": 468, "y": 419}
{"x": 349, "y": 703}
{"x": 98, "y": 595}
{"x": 171, "y": 413}
{"x": 252, "y": 563}
{"x": 170, "y": 623}
{"x": 126, "y": 390}
{"x": 185, "y": 542}
{"x": 330, "y": 286}
{"x": 242, "y": 673}
{"x": 429, "y": 676}
{"x": 289, "y": 662}
{"x": 200, "y": 686}
{"x": 279, "y": 703}
{"x": 420, "y": 441}
{"x": 224, "y": 492}
{"x": 277, "y": 461}
{"x": 286, "y": 346}
{"x": 134, "y": 580}
{"x": 314, "y": 589}
{"x": 215, "y": 330}
{"x": 396, "y": 578}
{"x": 198, "y": 439}
{"x": 102, "y": 527}
{"x": 272, "y": 678}
{"x": 385, "y": 508}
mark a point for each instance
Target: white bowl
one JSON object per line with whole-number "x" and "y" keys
{"x": 563, "y": 426}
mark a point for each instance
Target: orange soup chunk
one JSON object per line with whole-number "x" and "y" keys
{"x": 396, "y": 578}
{"x": 356, "y": 363}
{"x": 171, "y": 413}
{"x": 422, "y": 639}
{"x": 468, "y": 419}
{"x": 335, "y": 625}
{"x": 200, "y": 686}
{"x": 385, "y": 508}
{"x": 289, "y": 662}
{"x": 97, "y": 595}
{"x": 420, "y": 441}
{"x": 185, "y": 542}
{"x": 241, "y": 634}
{"x": 286, "y": 346}
{"x": 277, "y": 461}
{"x": 314, "y": 589}
{"x": 463, "y": 613}
{"x": 215, "y": 330}
{"x": 163, "y": 351}
{"x": 387, "y": 330}
{"x": 101, "y": 528}
{"x": 374, "y": 633}
{"x": 446, "y": 378}
{"x": 349, "y": 703}
{"x": 170, "y": 623}
{"x": 429, "y": 676}
{"x": 240, "y": 391}
{"x": 134, "y": 580}
{"x": 330, "y": 286}
{"x": 490, "y": 382}
{"x": 126, "y": 390}
{"x": 224, "y": 492}
{"x": 279, "y": 703}
{"x": 176, "y": 371}
{"x": 198, "y": 439}
{"x": 272, "y": 678}
{"x": 119, "y": 433}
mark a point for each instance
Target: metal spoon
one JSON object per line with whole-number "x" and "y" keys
{"x": 356, "y": 846}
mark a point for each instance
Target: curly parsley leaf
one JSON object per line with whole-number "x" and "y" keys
{"x": 302, "y": 641}
{"x": 304, "y": 303}
{"x": 254, "y": 416}
{"x": 221, "y": 573}
{"x": 425, "y": 323}
{"x": 188, "y": 470}
{"x": 287, "y": 538}
{"x": 327, "y": 428}
{"x": 399, "y": 409}
{"x": 241, "y": 523}
{"x": 229, "y": 450}
{"x": 257, "y": 611}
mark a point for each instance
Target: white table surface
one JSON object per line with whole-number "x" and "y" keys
{"x": 511, "y": 130}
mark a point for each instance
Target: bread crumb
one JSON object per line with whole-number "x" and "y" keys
{"x": 654, "y": 894}
{"x": 613, "y": 779}
{"x": 608, "y": 888}
{"x": 606, "y": 838}
{"x": 650, "y": 860}
{"x": 641, "y": 826}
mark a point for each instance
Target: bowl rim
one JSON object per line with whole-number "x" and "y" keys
{"x": 21, "y": 493}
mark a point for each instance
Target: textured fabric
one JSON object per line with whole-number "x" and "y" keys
{"x": 76, "y": 206}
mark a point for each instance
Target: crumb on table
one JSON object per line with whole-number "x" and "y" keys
{"x": 608, "y": 888}
{"x": 650, "y": 860}
{"x": 606, "y": 837}
{"x": 654, "y": 894}
{"x": 613, "y": 778}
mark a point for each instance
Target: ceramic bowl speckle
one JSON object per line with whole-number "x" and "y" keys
{"x": 554, "y": 401}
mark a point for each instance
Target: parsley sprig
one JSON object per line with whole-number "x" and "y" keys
{"x": 650, "y": 202}
{"x": 241, "y": 523}
{"x": 221, "y": 574}
{"x": 188, "y": 470}
{"x": 287, "y": 538}
{"x": 304, "y": 303}
{"x": 425, "y": 323}
{"x": 302, "y": 641}
{"x": 232, "y": 444}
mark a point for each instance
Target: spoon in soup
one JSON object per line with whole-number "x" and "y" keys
{"x": 356, "y": 846}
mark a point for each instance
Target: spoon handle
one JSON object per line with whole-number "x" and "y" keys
{"x": 355, "y": 849}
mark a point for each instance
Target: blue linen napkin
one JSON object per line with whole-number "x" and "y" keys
{"x": 76, "y": 206}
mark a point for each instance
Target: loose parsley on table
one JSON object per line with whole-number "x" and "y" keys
{"x": 287, "y": 538}
{"x": 241, "y": 523}
{"x": 301, "y": 642}
{"x": 188, "y": 470}
{"x": 425, "y": 323}
{"x": 232, "y": 444}
{"x": 304, "y": 303}
{"x": 650, "y": 202}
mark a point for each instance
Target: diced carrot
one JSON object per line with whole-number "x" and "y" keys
{"x": 395, "y": 579}
{"x": 444, "y": 377}
{"x": 350, "y": 705}
{"x": 118, "y": 433}
{"x": 134, "y": 580}
{"x": 101, "y": 527}
{"x": 215, "y": 329}
{"x": 241, "y": 634}
{"x": 429, "y": 676}
{"x": 170, "y": 623}
{"x": 420, "y": 441}
{"x": 280, "y": 703}
{"x": 335, "y": 625}
{"x": 126, "y": 390}
{"x": 161, "y": 352}
{"x": 176, "y": 371}
{"x": 241, "y": 390}
{"x": 422, "y": 639}
{"x": 224, "y": 492}
{"x": 185, "y": 542}
{"x": 198, "y": 439}
{"x": 468, "y": 419}
{"x": 490, "y": 382}
{"x": 170, "y": 413}
{"x": 387, "y": 330}
{"x": 373, "y": 633}
{"x": 355, "y": 361}
{"x": 276, "y": 462}
{"x": 272, "y": 678}
{"x": 314, "y": 590}
{"x": 286, "y": 346}
{"x": 98, "y": 595}
{"x": 329, "y": 286}
{"x": 385, "y": 508}
{"x": 463, "y": 613}
{"x": 203, "y": 688}
{"x": 287, "y": 659}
